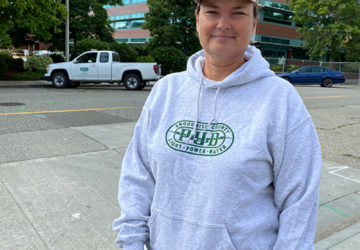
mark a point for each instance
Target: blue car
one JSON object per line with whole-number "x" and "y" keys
{"x": 314, "y": 75}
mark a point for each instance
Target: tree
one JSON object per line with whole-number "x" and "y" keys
{"x": 172, "y": 24}
{"x": 328, "y": 27}
{"x": 88, "y": 19}
{"x": 127, "y": 52}
{"x": 88, "y": 44}
{"x": 29, "y": 19}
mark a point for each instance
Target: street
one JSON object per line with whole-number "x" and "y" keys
{"x": 61, "y": 152}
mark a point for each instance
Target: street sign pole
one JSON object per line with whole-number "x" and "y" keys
{"x": 67, "y": 32}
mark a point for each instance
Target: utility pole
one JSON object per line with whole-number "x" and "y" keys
{"x": 67, "y": 31}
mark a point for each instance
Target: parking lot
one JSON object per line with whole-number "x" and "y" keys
{"x": 61, "y": 152}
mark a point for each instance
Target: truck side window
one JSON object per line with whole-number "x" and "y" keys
{"x": 116, "y": 57}
{"x": 87, "y": 58}
{"x": 104, "y": 57}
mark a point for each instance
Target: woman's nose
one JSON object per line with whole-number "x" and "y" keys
{"x": 224, "y": 23}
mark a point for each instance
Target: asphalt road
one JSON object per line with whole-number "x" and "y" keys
{"x": 39, "y": 107}
{"x": 336, "y": 114}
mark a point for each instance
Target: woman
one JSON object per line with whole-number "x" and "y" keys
{"x": 225, "y": 154}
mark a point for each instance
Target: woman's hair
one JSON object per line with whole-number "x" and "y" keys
{"x": 256, "y": 8}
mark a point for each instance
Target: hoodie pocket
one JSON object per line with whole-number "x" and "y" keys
{"x": 179, "y": 233}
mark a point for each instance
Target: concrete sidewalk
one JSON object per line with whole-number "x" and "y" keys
{"x": 69, "y": 201}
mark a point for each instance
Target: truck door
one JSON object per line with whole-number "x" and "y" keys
{"x": 85, "y": 67}
{"x": 104, "y": 66}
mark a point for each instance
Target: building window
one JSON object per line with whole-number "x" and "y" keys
{"x": 277, "y": 5}
{"x": 275, "y": 40}
{"x": 122, "y": 40}
{"x": 138, "y": 1}
{"x": 138, "y": 40}
{"x": 277, "y": 17}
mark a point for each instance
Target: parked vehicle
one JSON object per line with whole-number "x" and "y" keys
{"x": 314, "y": 75}
{"x": 101, "y": 66}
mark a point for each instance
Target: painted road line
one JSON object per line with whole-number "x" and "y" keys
{"x": 323, "y": 97}
{"x": 354, "y": 176}
{"x": 64, "y": 111}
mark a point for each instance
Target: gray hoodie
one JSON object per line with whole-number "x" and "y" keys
{"x": 221, "y": 165}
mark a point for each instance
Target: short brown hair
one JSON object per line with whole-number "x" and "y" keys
{"x": 256, "y": 7}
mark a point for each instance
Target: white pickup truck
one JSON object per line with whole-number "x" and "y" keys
{"x": 101, "y": 66}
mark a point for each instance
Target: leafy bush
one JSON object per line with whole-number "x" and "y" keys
{"x": 88, "y": 44}
{"x": 57, "y": 58}
{"x": 28, "y": 76}
{"x": 141, "y": 49}
{"x": 16, "y": 64}
{"x": 127, "y": 52}
{"x": 145, "y": 59}
{"x": 170, "y": 58}
{"x": 276, "y": 68}
{"x": 38, "y": 63}
{"x": 290, "y": 68}
{"x": 5, "y": 60}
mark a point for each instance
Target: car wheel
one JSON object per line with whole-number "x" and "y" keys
{"x": 287, "y": 79}
{"x": 328, "y": 82}
{"x": 60, "y": 80}
{"x": 132, "y": 81}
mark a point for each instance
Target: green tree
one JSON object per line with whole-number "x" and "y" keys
{"x": 88, "y": 44}
{"x": 328, "y": 27}
{"x": 170, "y": 58}
{"x": 88, "y": 19}
{"x": 172, "y": 24}
{"x": 29, "y": 19}
{"x": 126, "y": 51}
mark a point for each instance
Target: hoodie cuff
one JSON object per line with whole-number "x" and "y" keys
{"x": 134, "y": 246}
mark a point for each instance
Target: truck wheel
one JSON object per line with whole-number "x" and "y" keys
{"x": 132, "y": 81}
{"x": 60, "y": 80}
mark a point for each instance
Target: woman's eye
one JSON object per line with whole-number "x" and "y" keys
{"x": 211, "y": 12}
{"x": 239, "y": 13}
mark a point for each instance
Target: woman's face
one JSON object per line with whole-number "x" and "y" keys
{"x": 225, "y": 26}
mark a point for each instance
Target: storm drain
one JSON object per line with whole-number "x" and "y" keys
{"x": 7, "y": 104}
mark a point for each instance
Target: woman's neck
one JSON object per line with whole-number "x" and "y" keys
{"x": 218, "y": 69}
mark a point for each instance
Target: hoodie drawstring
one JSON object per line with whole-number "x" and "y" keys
{"x": 193, "y": 130}
{"x": 213, "y": 120}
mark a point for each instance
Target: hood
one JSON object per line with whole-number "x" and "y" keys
{"x": 254, "y": 68}
{"x": 59, "y": 65}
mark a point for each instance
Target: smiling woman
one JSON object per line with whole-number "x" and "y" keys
{"x": 225, "y": 154}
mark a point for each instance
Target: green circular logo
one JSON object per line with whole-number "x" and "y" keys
{"x": 207, "y": 140}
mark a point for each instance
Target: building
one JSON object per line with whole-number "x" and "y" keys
{"x": 276, "y": 33}
{"x": 127, "y": 21}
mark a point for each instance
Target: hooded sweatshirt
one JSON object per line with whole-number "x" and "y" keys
{"x": 223, "y": 165}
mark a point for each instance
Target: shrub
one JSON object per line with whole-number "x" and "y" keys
{"x": 88, "y": 44}
{"x": 290, "y": 68}
{"x": 38, "y": 63}
{"x": 28, "y": 76}
{"x": 16, "y": 64}
{"x": 57, "y": 58}
{"x": 170, "y": 58}
{"x": 276, "y": 68}
{"x": 145, "y": 59}
{"x": 127, "y": 52}
{"x": 5, "y": 60}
